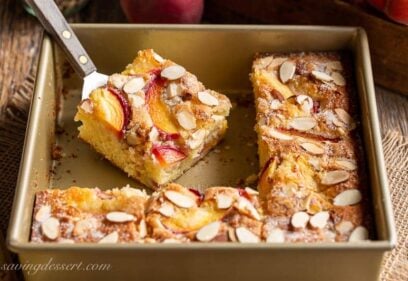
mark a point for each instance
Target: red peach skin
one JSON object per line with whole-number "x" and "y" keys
{"x": 163, "y": 11}
{"x": 397, "y": 10}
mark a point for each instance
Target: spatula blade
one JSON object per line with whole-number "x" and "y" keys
{"x": 93, "y": 81}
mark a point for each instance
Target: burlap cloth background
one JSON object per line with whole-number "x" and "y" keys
{"x": 12, "y": 130}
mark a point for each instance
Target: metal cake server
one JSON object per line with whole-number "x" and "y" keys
{"x": 56, "y": 25}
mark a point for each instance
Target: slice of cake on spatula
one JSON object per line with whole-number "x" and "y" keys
{"x": 154, "y": 120}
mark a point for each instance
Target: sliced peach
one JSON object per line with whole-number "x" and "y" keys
{"x": 112, "y": 108}
{"x": 167, "y": 154}
{"x": 158, "y": 110}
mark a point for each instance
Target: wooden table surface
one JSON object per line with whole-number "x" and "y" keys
{"x": 20, "y": 37}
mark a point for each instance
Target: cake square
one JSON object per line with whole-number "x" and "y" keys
{"x": 154, "y": 120}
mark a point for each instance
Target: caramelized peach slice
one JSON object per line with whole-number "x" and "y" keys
{"x": 158, "y": 110}
{"x": 167, "y": 154}
{"x": 112, "y": 108}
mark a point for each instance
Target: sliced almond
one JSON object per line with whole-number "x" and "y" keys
{"x": 251, "y": 191}
{"x": 118, "y": 80}
{"x": 223, "y": 201}
{"x": 276, "y": 236}
{"x": 66, "y": 241}
{"x": 300, "y": 219}
{"x": 43, "y": 213}
{"x": 158, "y": 58}
{"x": 338, "y": 79}
{"x": 303, "y": 123}
{"x": 84, "y": 226}
{"x": 136, "y": 100}
{"x": 320, "y": 219}
{"x": 305, "y": 101}
{"x": 153, "y": 134}
{"x": 347, "y": 198}
{"x": 335, "y": 177}
{"x": 112, "y": 237}
{"x": 87, "y": 106}
{"x": 344, "y": 116}
{"x": 166, "y": 210}
{"x": 246, "y": 206}
{"x": 346, "y": 164}
{"x": 276, "y": 134}
{"x": 231, "y": 234}
{"x": 344, "y": 227}
{"x": 173, "y": 90}
{"x": 186, "y": 120}
{"x": 171, "y": 241}
{"x": 276, "y": 62}
{"x": 173, "y": 72}
{"x": 321, "y": 75}
{"x": 334, "y": 65}
{"x": 246, "y": 236}
{"x": 51, "y": 228}
{"x": 134, "y": 85}
{"x": 286, "y": 71}
{"x": 119, "y": 217}
{"x": 315, "y": 162}
{"x": 275, "y": 104}
{"x": 360, "y": 233}
{"x": 312, "y": 148}
{"x": 208, "y": 232}
{"x": 218, "y": 118}
{"x": 206, "y": 98}
{"x": 142, "y": 228}
{"x": 181, "y": 200}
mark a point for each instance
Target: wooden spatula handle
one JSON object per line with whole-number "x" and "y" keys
{"x": 54, "y": 22}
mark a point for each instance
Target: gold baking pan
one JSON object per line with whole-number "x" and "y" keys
{"x": 221, "y": 57}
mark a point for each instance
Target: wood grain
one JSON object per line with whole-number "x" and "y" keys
{"x": 20, "y": 37}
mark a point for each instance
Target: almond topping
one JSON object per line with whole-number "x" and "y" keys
{"x": 303, "y": 123}
{"x": 305, "y": 101}
{"x": 134, "y": 85}
{"x": 166, "y": 210}
{"x": 360, "y": 233}
{"x": 276, "y": 236}
{"x": 158, "y": 57}
{"x": 231, "y": 234}
{"x": 347, "y": 198}
{"x": 300, "y": 219}
{"x": 118, "y": 80}
{"x": 344, "y": 116}
{"x": 43, "y": 213}
{"x": 181, "y": 200}
{"x": 276, "y": 134}
{"x": 208, "y": 232}
{"x": 321, "y": 76}
{"x": 186, "y": 120}
{"x": 246, "y": 206}
{"x": 334, "y": 65}
{"x": 346, "y": 164}
{"x": 87, "y": 106}
{"x": 286, "y": 71}
{"x": 136, "y": 100}
{"x": 246, "y": 236}
{"x": 334, "y": 177}
{"x": 312, "y": 148}
{"x": 66, "y": 241}
{"x": 208, "y": 99}
{"x": 319, "y": 220}
{"x": 173, "y": 72}
{"x": 119, "y": 217}
{"x": 173, "y": 90}
{"x": 223, "y": 201}
{"x": 338, "y": 79}
{"x": 142, "y": 228}
{"x": 112, "y": 237}
{"x": 315, "y": 162}
{"x": 51, "y": 228}
{"x": 251, "y": 191}
{"x": 344, "y": 227}
{"x": 275, "y": 104}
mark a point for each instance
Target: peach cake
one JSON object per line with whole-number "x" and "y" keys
{"x": 312, "y": 185}
{"x": 154, "y": 120}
